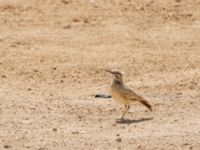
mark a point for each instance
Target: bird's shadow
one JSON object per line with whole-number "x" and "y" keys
{"x": 131, "y": 121}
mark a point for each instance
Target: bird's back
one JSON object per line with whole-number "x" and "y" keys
{"x": 123, "y": 94}
{"x": 126, "y": 93}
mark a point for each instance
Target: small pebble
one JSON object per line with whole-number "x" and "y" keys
{"x": 75, "y": 132}
{"x": 86, "y": 20}
{"x": 76, "y": 19}
{"x": 67, "y": 27}
{"x": 54, "y": 68}
{"x": 139, "y": 147}
{"x": 7, "y": 146}
{"x": 54, "y": 129}
{"x": 3, "y": 76}
{"x": 80, "y": 117}
{"x": 118, "y": 139}
{"x": 65, "y": 1}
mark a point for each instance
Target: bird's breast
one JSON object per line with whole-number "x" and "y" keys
{"x": 117, "y": 97}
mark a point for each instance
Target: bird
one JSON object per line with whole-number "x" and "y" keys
{"x": 123, "y": 94}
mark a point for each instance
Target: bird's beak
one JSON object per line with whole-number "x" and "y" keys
{"x": 109, "y": 71}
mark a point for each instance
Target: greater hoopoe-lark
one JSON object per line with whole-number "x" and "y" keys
{"x": 124, "y": 95}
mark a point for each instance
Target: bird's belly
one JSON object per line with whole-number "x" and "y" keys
{"x": 119, "y": 99}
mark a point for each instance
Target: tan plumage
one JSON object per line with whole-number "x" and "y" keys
{"x": 124, "y": 95}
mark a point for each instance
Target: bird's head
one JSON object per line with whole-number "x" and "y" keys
{"x": 116, "y": 74}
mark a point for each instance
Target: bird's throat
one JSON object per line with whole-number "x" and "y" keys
{"x": 118, "y": 82}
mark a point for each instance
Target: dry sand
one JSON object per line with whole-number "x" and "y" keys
{"x": 52, "y": 59}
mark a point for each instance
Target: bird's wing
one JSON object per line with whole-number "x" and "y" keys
{"x": 129, "y": 94}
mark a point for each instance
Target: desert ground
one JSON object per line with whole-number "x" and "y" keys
{"x": 53, "y": 56}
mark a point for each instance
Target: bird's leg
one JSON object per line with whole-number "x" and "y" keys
{"x": 123, "y": 113}
{"x": 127, "y": 107}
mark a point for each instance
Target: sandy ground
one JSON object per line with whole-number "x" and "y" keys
{"x": 52, "y": 59}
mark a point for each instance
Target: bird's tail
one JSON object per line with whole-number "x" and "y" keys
{"x": 145, "y": 103}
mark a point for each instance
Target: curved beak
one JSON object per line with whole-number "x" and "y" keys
{"x": 109, "y": 71}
